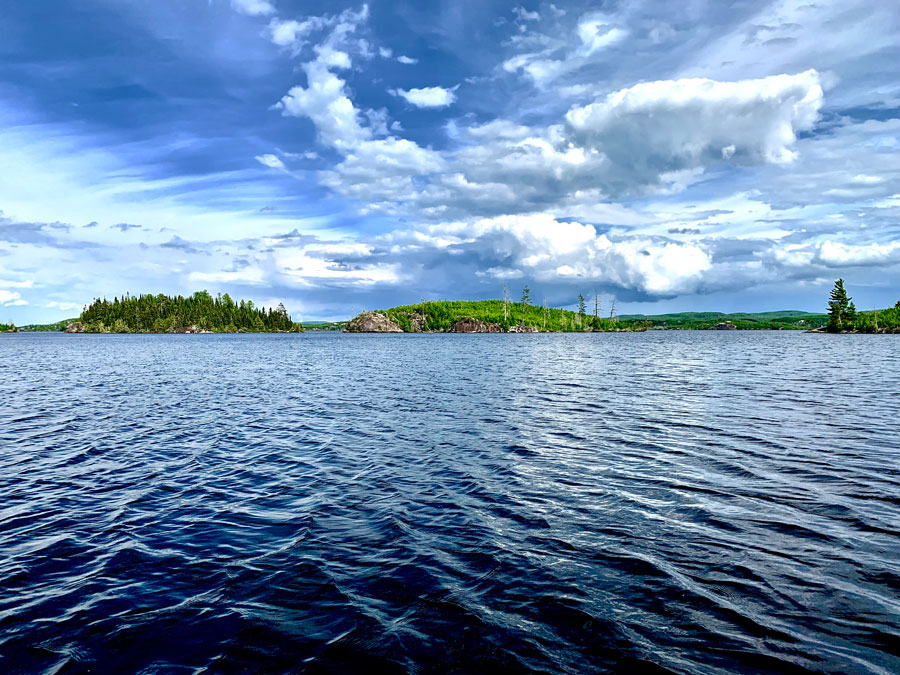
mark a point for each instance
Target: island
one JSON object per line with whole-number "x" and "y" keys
{"x": 196, "y": 313}
{"x": 502, "y": 316}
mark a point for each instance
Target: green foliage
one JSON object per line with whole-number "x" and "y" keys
{"x": 163, "y": 314}
{"x": 57, "y": 327}
{"x": 844, "y": 318}
{"x": 8, "y": 328}
{"x": 440, "y": 315}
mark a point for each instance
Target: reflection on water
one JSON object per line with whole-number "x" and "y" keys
{"x": 684, "y": 501}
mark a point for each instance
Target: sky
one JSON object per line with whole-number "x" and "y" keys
{"x": 341, "y": 157}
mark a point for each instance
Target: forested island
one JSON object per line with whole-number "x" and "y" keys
{"x": 843, "y": 316}
{"x": 484, "y": 316}
{"x": 8, "y": 328}
{"x": 197, "y": 313}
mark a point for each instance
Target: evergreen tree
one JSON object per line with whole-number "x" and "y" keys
{"x": 838, "y": 308}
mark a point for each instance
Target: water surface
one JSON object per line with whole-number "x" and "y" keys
{"x": 692, "y": 502}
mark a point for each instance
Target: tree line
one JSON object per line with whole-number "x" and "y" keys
{"x": 166, "y": 314}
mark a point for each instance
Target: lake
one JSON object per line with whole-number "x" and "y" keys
{"x": 669, "y": 501}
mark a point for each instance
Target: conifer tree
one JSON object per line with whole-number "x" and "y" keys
{"x": 838, "y": 308}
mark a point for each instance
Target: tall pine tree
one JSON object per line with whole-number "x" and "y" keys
{"x": 839, "y": 309}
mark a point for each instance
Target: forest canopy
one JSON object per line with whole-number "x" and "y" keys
{"x": 168, "y": 314}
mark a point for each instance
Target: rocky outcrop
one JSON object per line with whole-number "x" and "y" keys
{"x": 75, "y": 327}
{"x": 416, "y": 323}
{"x": 372, "y": 322}
{"x": 518, "y": 328}
{"x": 474, "y": 326}
{"x": 189, "y": 329}
{"x": 724, "y": 326}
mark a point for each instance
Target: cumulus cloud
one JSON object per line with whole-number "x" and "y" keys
{"x": 543, "y": 248}
{"x": 427, "y": 97}
{"x": 253, "y": 7}
{"x": 270, "y": 161}
{"x": 681, "y": 124}
{"x": 653, "y": 137}
{"x": 406, "y": 60}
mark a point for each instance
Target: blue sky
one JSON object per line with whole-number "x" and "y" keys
{"x": 347, "y": 156}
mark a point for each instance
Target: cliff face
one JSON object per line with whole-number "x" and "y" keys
{"x": 474, "y": 326}
{"x": 372, "y": 322}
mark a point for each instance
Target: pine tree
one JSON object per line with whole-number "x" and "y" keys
{"x": 838, "y": 308}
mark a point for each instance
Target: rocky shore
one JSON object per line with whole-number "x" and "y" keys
{"x": 376, "y": 322}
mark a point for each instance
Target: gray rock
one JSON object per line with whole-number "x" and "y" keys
{"x": 372, "y": 322}
{"x": 474, "y": 326}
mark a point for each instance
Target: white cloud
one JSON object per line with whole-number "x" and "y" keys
{"x": 5, "y": 283}
{"x": 9, "y": 297}
{"x": 253, "y": 7}
{"x": 678, "y": 124}
{"x": 64, "y": 306}
{"x": 294, "y": 33}
{"x": 836, "y": 254}
{"x": 541, "y": 247}
{"x": 325, "y": 101}
{"x": 270, "y": 161}
{"x": 406, "y": 60}
{"x": 596, "y": 33}
{"x": 524, "y": 15}
{"x": 864, "y": 179}
{"x": 427, "y": 97}
{"x": 654, "y": 137}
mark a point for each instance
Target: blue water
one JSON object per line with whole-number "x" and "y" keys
{"x": 692, "y": 502}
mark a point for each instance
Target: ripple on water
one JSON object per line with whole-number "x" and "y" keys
{"x": 660, "y": 502}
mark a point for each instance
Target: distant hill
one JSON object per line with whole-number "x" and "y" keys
{"x": 779, "y": 320}
{"x": 57, "y": 327}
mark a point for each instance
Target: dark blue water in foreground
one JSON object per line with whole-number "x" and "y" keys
{"x": 692, "y": 502}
